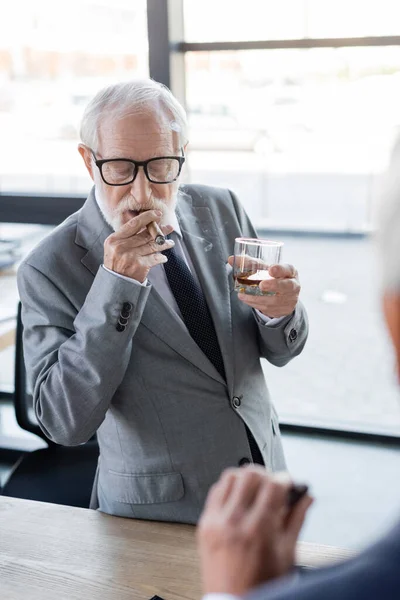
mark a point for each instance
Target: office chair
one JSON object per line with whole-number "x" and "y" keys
{"x": 58, "y": 474}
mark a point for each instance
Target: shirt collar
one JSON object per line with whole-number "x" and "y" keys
{"x": 175, "y": 224}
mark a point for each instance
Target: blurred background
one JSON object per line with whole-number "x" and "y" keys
{"x": 294, "y": 105}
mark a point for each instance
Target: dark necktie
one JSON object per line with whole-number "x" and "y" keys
{"x": 196, "y": 315}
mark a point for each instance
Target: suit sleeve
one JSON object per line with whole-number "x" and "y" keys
{"x": 280, "y": 343}
{"x": 354, "y": 579}
{"x": 76, "y": 360}
{"x": 373, "y": 574}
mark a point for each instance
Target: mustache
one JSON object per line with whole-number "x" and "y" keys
{"x": 129, "y": 204}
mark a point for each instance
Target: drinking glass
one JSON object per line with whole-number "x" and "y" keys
{"x": 252, "y": 259}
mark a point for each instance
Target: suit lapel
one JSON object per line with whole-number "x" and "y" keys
{"x": 91, "y": 233}
{"x": 163, "y": 321}
{"x": 202, "y": 242}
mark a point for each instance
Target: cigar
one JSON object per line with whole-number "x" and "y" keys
{"x": 154, "y": 230}
{"x": 296, "y": 493}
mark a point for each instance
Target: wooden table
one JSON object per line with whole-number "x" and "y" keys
{"x": 50, "y": 552}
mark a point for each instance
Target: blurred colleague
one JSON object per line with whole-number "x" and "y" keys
{"x": 147, "y": 344}
{"x": 247, "y": 535}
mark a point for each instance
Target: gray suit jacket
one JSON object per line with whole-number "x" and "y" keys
{"x": 167, "y": 423}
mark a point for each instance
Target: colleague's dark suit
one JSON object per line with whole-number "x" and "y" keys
{"x": 373, "y": 575}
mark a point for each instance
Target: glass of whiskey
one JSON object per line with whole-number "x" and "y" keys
{"x": 252, "y": 259}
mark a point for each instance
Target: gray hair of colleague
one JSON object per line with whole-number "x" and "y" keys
{"x": 388, "y": 225}
{"x": 132, "y": 97}
{"x": 388, "y": 247}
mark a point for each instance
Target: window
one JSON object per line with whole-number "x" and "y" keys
{"x": 302, "y": 135}
{"x": 234, "y": 20}
{"x": 48, "y": 73}
{"x": 53, "y": 58}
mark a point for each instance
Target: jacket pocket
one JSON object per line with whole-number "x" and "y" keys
{"x": 146, "y": 488}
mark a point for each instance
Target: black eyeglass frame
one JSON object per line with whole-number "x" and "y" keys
{"x": 138, "y": 163}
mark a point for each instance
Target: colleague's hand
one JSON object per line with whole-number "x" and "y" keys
{"x": 284, "y": 289}
{"x": 247, "y": 533}
{"x": 132, "y": 251}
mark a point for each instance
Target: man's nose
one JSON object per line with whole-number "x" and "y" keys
{"x": 141, "y": 187}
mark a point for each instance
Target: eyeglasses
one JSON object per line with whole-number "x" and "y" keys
{"x": 122, "y": 171}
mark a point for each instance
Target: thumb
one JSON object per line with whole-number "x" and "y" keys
{"x": 230, "y": 260}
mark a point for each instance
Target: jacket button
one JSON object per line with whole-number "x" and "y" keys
{"x": 293, "y": 335}
{"x": 244, "y": 461}
{"x": 127, "y": 306}
{"x": 120, "y": 327}
{"x": 236, "y": 402}
{"x": 123, "y": 320}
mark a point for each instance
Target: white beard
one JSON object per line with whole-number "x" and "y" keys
{"x": 113, "y": 222}
{"x": 114, "y": 217}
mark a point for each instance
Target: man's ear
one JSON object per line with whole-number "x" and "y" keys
{"x": 87, "y": 158}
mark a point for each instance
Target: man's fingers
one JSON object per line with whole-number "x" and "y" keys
{"x": 220, "y": 491}
{"x": 153, "y": 259}
{"x": 280, "y": 485}
{"x": 245, "y": 484}
{"x": 137, "y": 240}
{"x": 270, "y": 502}
{"x": 136, "y": 224}
{"x": 143, "y": 238}
{"x": 283, "y": 271}
{"x": 259, "y": 512}
{"x": 247, "y": 263}
{"x": 280, "y": 286}
{"x": 267, "y": 300}
{"x": 244, "y": 491}
{"x": 152, "y": 247}
{"x": 297, "y": 515}
{"x": 273, "y": 306}
{"x": 167, "y": 229}
{"x": 223, "y": 488}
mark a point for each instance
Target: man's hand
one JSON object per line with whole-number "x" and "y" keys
{"x": 131, "y": 251}
{"x": 284, "y": 289}
{"x": 247, "y": 533}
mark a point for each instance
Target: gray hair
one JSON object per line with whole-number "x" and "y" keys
{"x": 388, "y": 225}
{"x": 138, "y": 96}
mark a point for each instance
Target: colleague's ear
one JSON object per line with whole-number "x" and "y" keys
{"x": 87, "y": 158}
{"x": 391, "y": 309}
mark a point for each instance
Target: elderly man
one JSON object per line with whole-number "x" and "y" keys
{"x": 247, "y": 533}
{"x": 147, "y": 344}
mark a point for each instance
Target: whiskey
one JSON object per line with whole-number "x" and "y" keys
{"x": 248, "y": 282}
{"x": 253, "y": 278}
